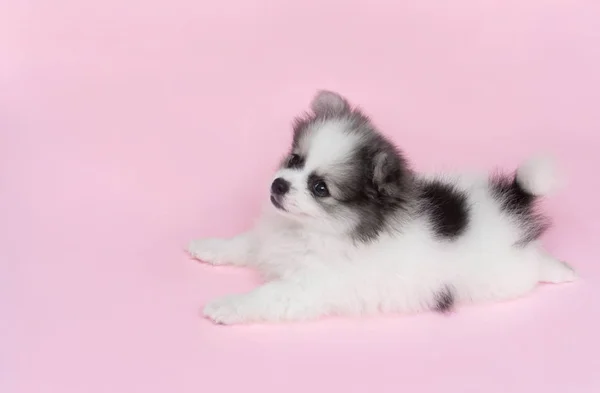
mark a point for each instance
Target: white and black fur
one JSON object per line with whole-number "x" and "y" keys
{"x": 351, "y": 229}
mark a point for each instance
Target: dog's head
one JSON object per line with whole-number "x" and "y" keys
{"x": 341, "y": 174}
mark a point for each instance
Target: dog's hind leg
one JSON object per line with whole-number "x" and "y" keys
{"x": 552, "y": 270}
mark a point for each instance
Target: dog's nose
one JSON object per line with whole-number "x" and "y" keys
{"x": 280, "y": 186}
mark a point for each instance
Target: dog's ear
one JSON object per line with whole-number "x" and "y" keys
{"x": 329, "y": 103}
{"x": 389, "y": 172}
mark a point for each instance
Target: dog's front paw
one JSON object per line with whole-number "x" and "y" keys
{"x": 207, "y": 250}
{"x": 229, "y": 310}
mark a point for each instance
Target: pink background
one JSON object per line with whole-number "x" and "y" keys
{"x": 129, "y": 127}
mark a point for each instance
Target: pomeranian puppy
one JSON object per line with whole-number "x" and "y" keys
{"x": 351, "y": 229}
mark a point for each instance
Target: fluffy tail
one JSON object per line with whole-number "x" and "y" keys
{"x": 538, "y": 176}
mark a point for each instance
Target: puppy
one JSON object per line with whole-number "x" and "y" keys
{"x": 352, "y": 230}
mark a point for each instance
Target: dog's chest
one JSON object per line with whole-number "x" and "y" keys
{"x": 287, "y": 250}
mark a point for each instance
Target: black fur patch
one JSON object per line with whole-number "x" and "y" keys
{"x": 446, "y": 208}
{"x": 444, "y": 300}
{"x": 515, "y": 201}
{"x": 377, "y": 197}
{"x": 513, "y": 198}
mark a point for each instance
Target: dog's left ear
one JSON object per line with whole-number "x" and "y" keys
{"x": 328, "y": 102}
{"x": 389, "y": 171}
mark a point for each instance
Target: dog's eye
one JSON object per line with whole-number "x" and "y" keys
{"x": 320, "y": 189}
{"x": 294, "y": 161}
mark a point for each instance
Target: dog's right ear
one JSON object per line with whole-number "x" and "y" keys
{"x": 391, "y": 174}
{"x": 329, "y": 103}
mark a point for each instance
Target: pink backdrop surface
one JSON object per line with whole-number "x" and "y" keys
{"x": 129, "y": 127}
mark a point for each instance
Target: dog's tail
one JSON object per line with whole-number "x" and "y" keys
{"x": 538, "y": 176}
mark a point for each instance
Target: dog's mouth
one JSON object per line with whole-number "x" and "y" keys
{"x": 276, "y": 203}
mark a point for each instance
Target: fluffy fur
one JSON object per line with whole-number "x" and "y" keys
{"x": 351, "y": 229}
